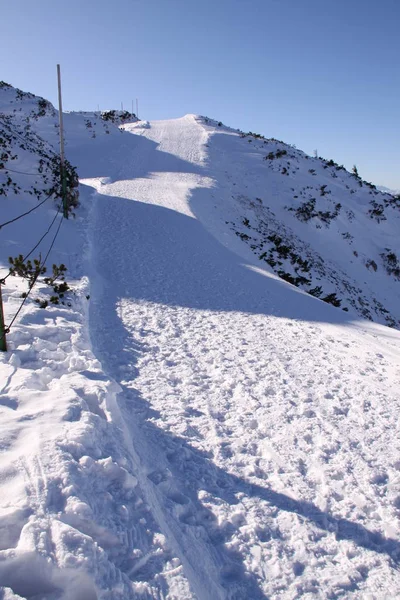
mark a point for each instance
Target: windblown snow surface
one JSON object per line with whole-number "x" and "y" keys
{"x": 198, "y": 427}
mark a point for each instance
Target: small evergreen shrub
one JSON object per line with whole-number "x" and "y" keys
{"x": 27, "y": 270}
{"x": 391, "y": 263}
{"x": 332, "y": 299}
{"x": 371, "y": 264}
{"x": 71, "y": 183}
{"x": 117, "y": 116}
{"x": 31, "y": 271}
{"x": 316, "y": 291}
{"x": 277, "y": 154}
{"x": 377, "y": 211}
{"x": 307, "y": 211}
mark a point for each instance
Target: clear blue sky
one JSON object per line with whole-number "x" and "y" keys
{"x": 321, "y": 74}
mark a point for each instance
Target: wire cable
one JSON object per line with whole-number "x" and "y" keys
{"x": 8, "y": 327}
{"x": 23, "y": 173}
{"x": 38, "y": 243}
{"x": 42, "y": 264}
{"x": 52, "y": 243}
{"x": 27, "y": 140}
{"x": 25, "y": 213}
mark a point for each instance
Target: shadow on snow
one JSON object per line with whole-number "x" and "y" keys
{"x": 188, "y": 470}
{"x": 156, "y": 254}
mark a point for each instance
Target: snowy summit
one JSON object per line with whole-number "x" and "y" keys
{"x": 199, "y": 400}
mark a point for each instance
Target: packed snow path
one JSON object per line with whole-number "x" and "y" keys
{"x": 261, "y": 424}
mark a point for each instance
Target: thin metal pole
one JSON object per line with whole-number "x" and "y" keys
{"x": 62, "y": 159}
{"x": 137, "y": 108}
{"x": 3, "y": 341}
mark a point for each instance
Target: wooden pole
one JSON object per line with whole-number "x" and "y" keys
{"x": 3, "y": 341}
{"x": 62, "y": 159}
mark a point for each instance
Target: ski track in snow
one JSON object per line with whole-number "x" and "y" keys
{"x": 214, "y": 433}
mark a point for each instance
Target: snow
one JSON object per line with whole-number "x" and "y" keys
{"x": 198, "y": 427}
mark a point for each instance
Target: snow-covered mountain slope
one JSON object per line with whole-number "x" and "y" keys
{"x": 200, "y": 428}
{"x": 312, "y": 222}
